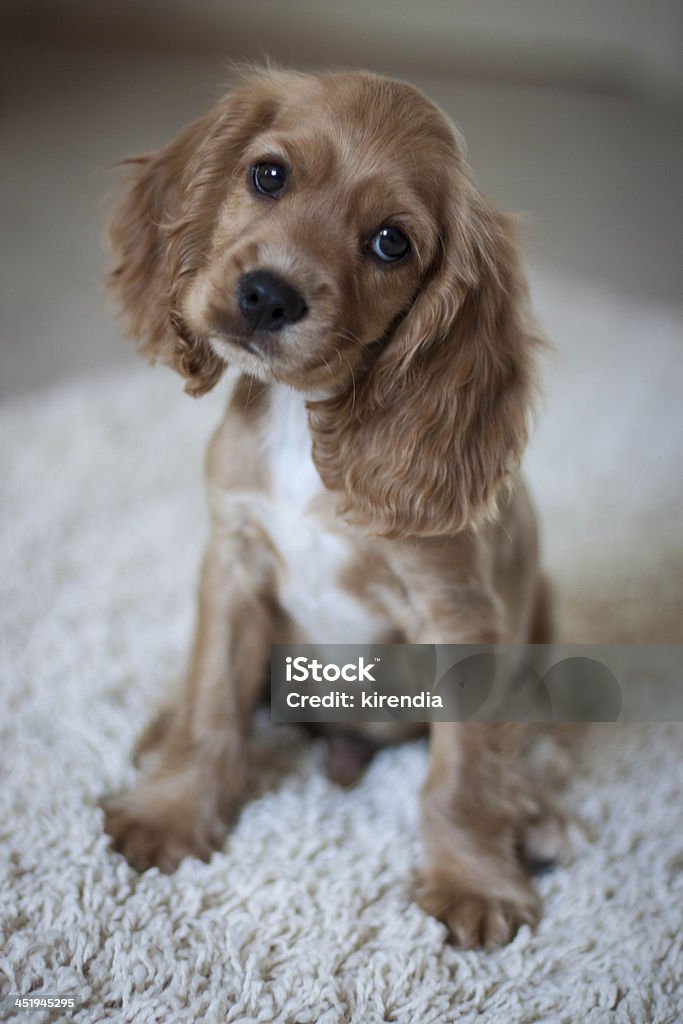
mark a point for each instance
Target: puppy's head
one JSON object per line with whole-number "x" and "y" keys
{"x": 322, "y": 231}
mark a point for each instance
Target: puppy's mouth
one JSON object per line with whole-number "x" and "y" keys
{"x": 230, "y": 342}
{"x": 230, "y": 334}
{"x": 260, "y": 354}
{"x": 232, "y": 346}
{"x": 245, "y": 353}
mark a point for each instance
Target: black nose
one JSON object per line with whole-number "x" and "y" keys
{"x": 267, "y": 302}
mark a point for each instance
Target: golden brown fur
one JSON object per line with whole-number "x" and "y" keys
{"x": 415, "y": 381}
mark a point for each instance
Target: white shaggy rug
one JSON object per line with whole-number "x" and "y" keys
{"x": 306, "y": 915}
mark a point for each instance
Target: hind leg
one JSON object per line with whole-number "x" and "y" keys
{"x": 348, "y": 755}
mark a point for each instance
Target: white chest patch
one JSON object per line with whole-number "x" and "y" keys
{"x": 312, "y": 558}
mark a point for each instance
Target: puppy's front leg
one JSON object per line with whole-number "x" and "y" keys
{"x": 472, "y": 806}
{"x": 475, "y": 801}
{"x": 179, "y": 808}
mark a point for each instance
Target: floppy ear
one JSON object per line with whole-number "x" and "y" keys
{"x": 161, "y": 230}
{"x": 439, "y": 421}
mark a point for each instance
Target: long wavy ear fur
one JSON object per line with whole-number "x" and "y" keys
{"x": 160, "y": 230}
{"x": 424, "y": 442}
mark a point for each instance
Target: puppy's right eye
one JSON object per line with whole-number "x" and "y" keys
{"x": 389, "y": 245}
{"x": 269, "y": 178}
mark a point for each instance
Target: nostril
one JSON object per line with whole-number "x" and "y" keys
{"x": 252, "y": 299}
{"x": 278, "y": 313}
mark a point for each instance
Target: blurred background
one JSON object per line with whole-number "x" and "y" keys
{"x": 571, "y": 112}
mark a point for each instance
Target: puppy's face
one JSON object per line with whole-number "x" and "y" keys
{"x": 323, "y": 232}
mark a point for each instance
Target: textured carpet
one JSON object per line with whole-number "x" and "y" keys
{"x": 306, "y": 915}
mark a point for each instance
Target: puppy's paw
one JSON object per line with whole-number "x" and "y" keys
{"x": 474, "y": 919}
{"x": 160, "y": 823}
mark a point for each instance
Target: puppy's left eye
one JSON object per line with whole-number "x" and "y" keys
{"x": 390, "y": 245}
{"x": 269, "y": 178}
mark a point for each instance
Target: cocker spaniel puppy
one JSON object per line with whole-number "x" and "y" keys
{"x": 321, "y": 236}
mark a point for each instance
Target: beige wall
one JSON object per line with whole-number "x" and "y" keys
{"x": 629, "y": 46}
